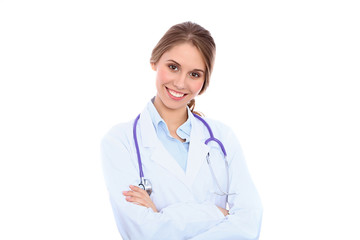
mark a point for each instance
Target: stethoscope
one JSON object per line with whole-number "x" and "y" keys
{"x": 146, "y": 184}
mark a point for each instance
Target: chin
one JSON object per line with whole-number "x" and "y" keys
{"x": 173, "y": 105}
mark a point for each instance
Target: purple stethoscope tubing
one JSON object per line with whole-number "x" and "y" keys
{"x": 211, "y": 138}
{"x": 146, "y": 185}
{"x": 137, "y": 147}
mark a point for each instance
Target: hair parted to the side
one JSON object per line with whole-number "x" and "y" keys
{"x": 199, "y": 37}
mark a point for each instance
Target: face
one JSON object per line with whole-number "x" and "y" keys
{"x": 180, "y": 76}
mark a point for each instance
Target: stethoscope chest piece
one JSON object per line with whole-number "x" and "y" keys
{"x": 146, "y": 185}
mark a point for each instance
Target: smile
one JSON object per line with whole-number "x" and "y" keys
{"x": 175, "y": 95}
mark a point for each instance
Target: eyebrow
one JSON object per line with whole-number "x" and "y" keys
{"x": 199, "y": 70}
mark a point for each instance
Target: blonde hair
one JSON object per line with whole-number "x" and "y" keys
{"x": 199, "y": 37}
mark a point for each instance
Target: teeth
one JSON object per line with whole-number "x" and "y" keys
{"x": 175, "y": 94}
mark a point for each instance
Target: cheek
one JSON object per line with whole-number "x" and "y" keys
{"x": 162, "y": 77}
{"x": 196, "y": 86}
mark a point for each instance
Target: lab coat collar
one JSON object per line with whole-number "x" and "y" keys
{"x": 197, "y": 150}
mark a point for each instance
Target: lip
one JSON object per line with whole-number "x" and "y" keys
{"x": 173, "y": 97}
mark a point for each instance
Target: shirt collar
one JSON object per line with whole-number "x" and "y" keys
{"x": 159, "y": 124}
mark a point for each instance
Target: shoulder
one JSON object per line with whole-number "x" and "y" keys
{"x": 219, "y": 128}
{"x": 222, "y": 132}
{"x": 119, "y": 133}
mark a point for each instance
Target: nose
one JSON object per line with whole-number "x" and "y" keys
{"x": 179, "y": 82}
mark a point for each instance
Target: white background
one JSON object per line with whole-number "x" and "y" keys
{"x": 286, "y": 79}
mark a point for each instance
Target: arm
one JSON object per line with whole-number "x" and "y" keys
{"x": 244, "y": 219}
{"x": 178, "y": 221}
{"x": 140, "y": 197}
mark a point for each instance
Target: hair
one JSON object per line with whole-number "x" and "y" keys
{"x": 199, "y": 37}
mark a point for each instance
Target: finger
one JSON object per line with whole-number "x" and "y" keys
{"x": 140, "y": 197}
{"x": 134, "y": 194}
{"x": 138, "y": 201}
{"x": 141, "y": 201}
{"x": 137, "y": 189}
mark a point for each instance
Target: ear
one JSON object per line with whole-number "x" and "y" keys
{"x": 153, "y": 66}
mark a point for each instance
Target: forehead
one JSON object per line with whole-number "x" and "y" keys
{"x": 186, "y": 54}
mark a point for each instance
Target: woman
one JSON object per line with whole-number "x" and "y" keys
{"x": 191, "y": 184}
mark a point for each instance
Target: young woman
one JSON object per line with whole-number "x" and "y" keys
{"x": 170, "y": 173}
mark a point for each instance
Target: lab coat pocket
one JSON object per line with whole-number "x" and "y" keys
{"x": 216, "y": 198}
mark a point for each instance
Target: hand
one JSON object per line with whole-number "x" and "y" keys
{"x": 224, "y": 211}
{"x": 140, "y": 197}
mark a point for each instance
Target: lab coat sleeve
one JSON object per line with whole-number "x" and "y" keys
{"x": 178, "y": 221}
{"x": 244, "y": 221}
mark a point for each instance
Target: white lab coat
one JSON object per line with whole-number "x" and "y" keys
{"x": 186, "y": 201}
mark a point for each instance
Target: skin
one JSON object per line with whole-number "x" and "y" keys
{"x": 140, "y": 197}
{"x": 181, "y": 70}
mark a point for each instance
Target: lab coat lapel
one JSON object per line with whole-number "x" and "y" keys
{"x": 197, "y": 150}
{"x": 158, "y": 153}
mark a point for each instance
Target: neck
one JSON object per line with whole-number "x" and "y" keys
{"x": 173, "y": 118}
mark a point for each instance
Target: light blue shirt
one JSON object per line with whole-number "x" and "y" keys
{"x": 179, "y": 150}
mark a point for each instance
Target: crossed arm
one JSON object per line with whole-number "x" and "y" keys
{"x": 185, "y": 220}
{"x": 140, "y": 197}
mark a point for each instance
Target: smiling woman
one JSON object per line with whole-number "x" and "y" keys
{"x": 199, "y": 38}
{"x": 179, "y": 79}
{"x": 198, "y": 190}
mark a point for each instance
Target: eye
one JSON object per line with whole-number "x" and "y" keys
{"x": 195, "y": 75}
{"x": 173, "y": 67}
